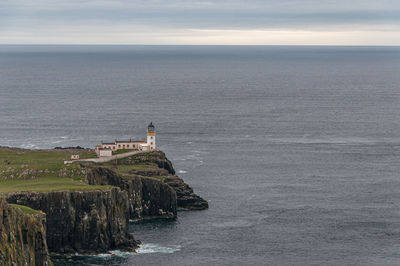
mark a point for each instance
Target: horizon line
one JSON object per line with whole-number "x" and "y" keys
{"x": 112, "y": 44}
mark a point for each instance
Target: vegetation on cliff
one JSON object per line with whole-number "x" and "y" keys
{"x": 82, "y": 221}
{"x": 22, "y": 236}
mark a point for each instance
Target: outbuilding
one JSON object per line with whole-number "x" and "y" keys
{"x": 105, "y": 153}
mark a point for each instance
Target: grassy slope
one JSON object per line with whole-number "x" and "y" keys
{"x": 41, "y": 170}
{"x": 25, "y": 209}
{"x": 123, "y": 168}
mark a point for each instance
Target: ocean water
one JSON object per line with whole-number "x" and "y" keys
{"x": 297, "y": 149}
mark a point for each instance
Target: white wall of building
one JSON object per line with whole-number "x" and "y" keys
{"x": 105, "y": 153}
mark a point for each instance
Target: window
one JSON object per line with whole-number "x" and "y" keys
{"x": 119, "y": 146}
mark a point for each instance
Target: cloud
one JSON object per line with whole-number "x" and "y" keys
{"x": 139, "y": 21}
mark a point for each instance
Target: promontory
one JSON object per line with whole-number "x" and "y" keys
{"x": 50, "y": 207}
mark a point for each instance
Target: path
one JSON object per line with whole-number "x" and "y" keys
{"x": 107, "y": 159}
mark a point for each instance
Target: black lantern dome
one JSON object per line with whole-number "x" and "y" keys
{"x": 150, "y": 128}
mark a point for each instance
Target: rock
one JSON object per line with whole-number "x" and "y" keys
{"x": 22, "y": 237}
{"x": 187, "y": 199}
{"x": 147, "y": 197}
{"x": 157, "y": 157}
{"x": 71, "y": 148}
{"x": 82, "y": 221}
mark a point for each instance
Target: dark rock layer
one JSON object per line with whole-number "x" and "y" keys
{"x": 82, "y": 221}
{"x": 147, "y": 197}
{"x": 22, "y": 237}
{"x": 187, "y": 199}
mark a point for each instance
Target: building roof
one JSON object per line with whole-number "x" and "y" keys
{"x": 124, "y": 141}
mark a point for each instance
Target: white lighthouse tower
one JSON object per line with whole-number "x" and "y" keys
{"x": 151, "y": 136}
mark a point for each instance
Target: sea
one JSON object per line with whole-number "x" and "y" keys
{"x": 296, "y": 148}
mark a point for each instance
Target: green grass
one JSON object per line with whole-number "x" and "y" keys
{"x": 25, "y": 209}
{"x": 27, "y": 164}
{"x": 121, "y": 151}
{"x": 125, "y": 168}
{"x": 46, "y": 184}
{"x": 42, "y": 170}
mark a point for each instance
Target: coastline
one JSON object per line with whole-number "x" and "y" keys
{"x": 132, "y": 188}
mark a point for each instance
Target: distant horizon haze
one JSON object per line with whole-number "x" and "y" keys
{"x": 197, "y": 22}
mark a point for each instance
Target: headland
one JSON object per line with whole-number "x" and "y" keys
{"x": 83, "y": 206}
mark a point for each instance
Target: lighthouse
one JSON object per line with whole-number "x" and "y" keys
{"x": 151, "y": 136}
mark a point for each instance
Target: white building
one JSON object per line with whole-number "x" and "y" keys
{"x": 107, "y": 149}
{"x": 75, "y": 157}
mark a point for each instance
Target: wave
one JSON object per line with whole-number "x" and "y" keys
{"x": 182, "y": 172}
{"x": 154, "y": 248}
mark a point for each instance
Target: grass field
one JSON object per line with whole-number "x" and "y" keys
{"x": 42, "y": 170}
{"x": 121, "y": 151}
{"x": 125, "y": 168}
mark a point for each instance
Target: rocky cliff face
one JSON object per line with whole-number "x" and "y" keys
{"x": 186, "y": 197}
{"x": 149, "y": 189}
{"x": 147, "y": 197}
{"x": 22, "y": 237}
{"x": 82, "y": 221}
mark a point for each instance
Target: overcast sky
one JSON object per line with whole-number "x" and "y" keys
{"x": 286, "y": 22}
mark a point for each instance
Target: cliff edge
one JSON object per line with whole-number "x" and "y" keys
{"x": 82, "y": 221}
{"x": 22, "y": 236}
{"x": 150, "y": 169}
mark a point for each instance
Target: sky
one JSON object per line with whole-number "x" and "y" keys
{"x": 201, "y": 22}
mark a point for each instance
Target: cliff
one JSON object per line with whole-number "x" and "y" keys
{"x": 147, "y": 197}
{"x": 153, "y": 188}
{"x": 82, "y": 221}
{"x": 87, "y": 205}
{"x": 23, "y": 236}
{"x": 186, "y": 198}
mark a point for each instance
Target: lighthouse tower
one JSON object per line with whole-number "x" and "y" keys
{"x": 151, "y": 136}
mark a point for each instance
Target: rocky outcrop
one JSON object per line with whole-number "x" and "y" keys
{"x": 82, "y": 221}
{"x": 158, "y": 199}
{"x": 22, "y": 237}
{"x": 147, "y": 197}
{"x": 187, "y": 199}
{"x": 156, "y": 157}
